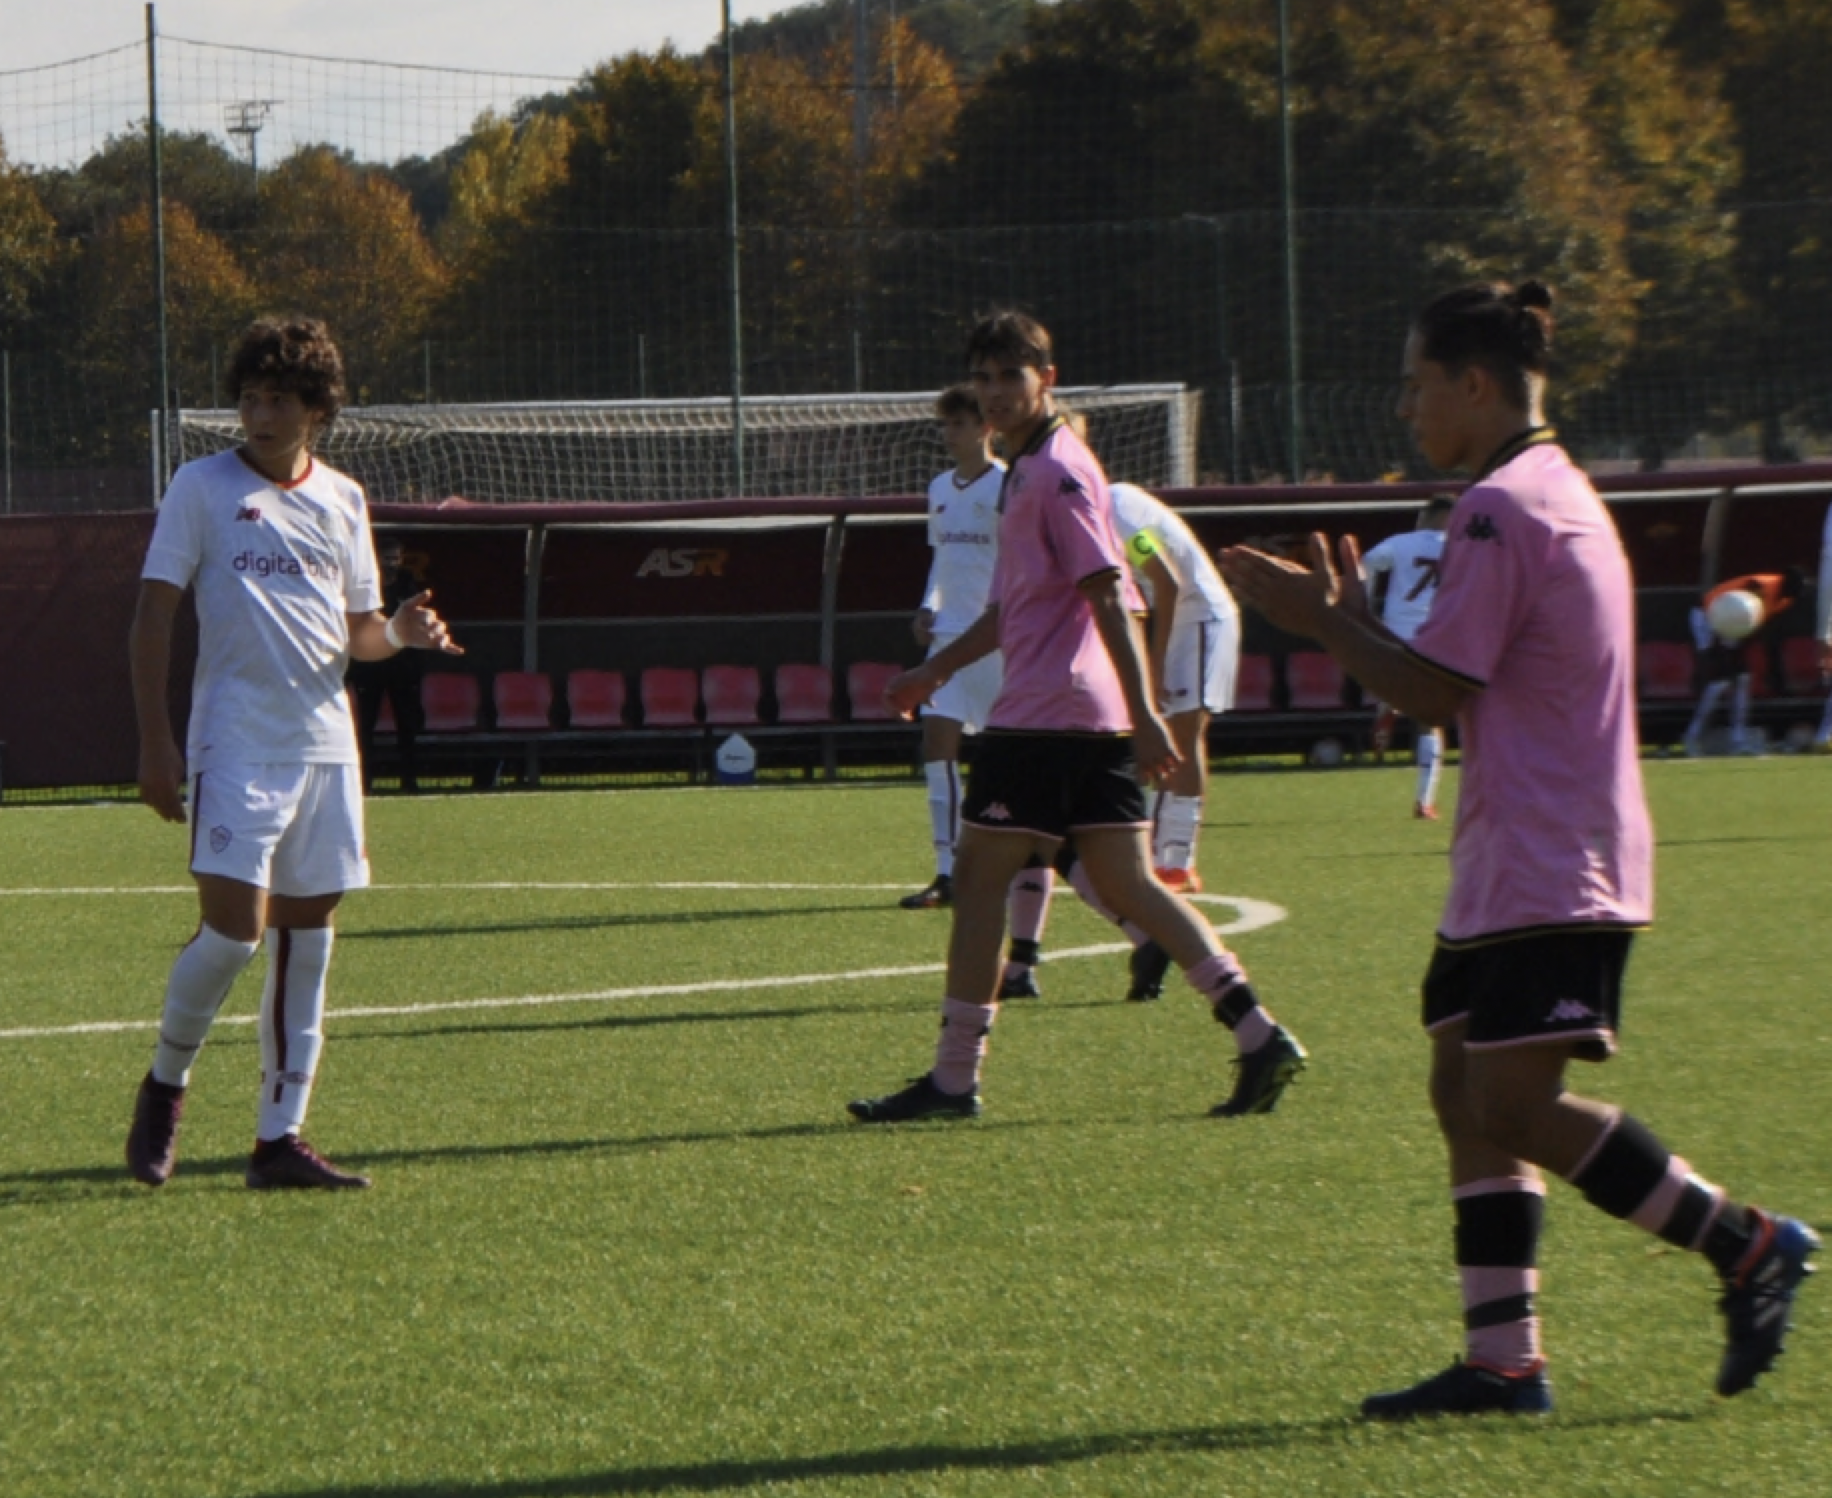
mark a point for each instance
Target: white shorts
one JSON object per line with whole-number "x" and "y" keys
{"x": 289, "y": 829}
{"x": 1200, "y": 664}
{"x": 970, "y": 692}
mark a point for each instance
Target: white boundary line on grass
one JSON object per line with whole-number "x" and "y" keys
{"x": 1251, "y": 915}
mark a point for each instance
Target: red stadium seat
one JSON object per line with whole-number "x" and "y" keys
{"x": 1253, "y": 684}
{"x": 804, "y": 694}
{"x": 1314, "y": 680}
{"x": 594, "y": 699}
{"x": 865, "y": 682}
{"x": 1800, "y": 660}
{"x": 670, "y": 697}
{"x": 731, "y": 695}
{"x": 451, "y": 701}
{"x": 1665, "y": 670}
{"x": 384, "y": 718}
{"x": 524, "y": 700}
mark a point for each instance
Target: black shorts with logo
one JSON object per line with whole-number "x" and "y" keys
{"x": 1518, "y": 988}
{"x": 1052, "y": 783}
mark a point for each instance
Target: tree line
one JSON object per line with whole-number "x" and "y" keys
{"x": 1114, "y": 164}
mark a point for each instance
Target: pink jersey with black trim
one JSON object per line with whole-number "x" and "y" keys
{"x": 1057, "y": 530}
{"x": 1537, "y": 608}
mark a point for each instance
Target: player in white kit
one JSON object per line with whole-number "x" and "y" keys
{"x": 277, "y": 548}
{"x": 964, "y": 538}
{"x": 1403, "y": 570}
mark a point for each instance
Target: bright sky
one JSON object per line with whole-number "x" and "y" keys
{"x": 560, "y": 37}
{"x": 55, "y": 111}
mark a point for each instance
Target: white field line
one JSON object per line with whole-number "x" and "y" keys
{"x": 1251, "y": 915}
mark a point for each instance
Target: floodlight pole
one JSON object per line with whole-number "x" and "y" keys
{"x": 731, "y": 220}
{"x": 1289, "y": 192}
{"x": 162, "y": 468}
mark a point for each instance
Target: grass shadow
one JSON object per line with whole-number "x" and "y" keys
{"x": 930, "y": 1460}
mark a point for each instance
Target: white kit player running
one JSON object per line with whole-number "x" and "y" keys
{"x": 277, "y": 548}
{"x": 1404, "y": 571}
{"x": 964, "y": 540}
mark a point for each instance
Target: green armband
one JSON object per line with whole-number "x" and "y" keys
{"x": 1141, "y": 548}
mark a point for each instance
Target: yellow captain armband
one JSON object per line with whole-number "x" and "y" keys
{"x": 1141, "y": 548}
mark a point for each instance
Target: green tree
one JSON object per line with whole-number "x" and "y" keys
{"x": 29, "y": 249}
{"x": 343, "y": 244}
{"x": 115, "y": 349}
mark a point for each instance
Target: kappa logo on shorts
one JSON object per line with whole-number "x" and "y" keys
{"x": 998, "y": 811}
{"x": 1069, "y": 485}
{"x": 220, "y": 838}
{"x": 1481, "y": 528}
{"x": 1567, "y": 1010}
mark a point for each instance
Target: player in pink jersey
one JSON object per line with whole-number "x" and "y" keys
{"x": 276, "y": 548}
{"x": 1072, "y": 726}
{"x": 1530, "y": 646}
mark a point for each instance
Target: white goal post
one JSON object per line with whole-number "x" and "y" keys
{"x": 837, "y": 446}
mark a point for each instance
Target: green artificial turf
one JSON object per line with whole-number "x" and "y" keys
{"x": 624, "y": 1239}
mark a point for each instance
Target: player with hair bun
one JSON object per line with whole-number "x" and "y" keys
{"x": 1530, "y": 647}
{"x": 276, "y": 547}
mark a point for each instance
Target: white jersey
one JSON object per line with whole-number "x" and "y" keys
{"x": 964, "y": 535}
{"x": 1411, "y": 562}
{"x": 1201, "y": 594}
{"x": 276, "y": 569}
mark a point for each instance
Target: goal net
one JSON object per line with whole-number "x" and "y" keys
{"x": 630, "y": 451}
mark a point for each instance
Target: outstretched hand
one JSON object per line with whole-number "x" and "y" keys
{"x": 420, "y": 628}
{"x": 1294, "y": 597}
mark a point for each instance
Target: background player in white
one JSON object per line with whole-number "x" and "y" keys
{"x": 1402, "y": 572}
{"x": 278, "y": 550}
{"x": 964, "y": 537}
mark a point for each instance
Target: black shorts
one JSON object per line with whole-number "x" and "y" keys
{"x": 1551, "y": 983}
{"x": 1052, "y": 783}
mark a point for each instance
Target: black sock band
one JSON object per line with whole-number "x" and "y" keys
{"x": 1499, "y": 1229}
{"x": 1236, "y": 1004}
{"x": 1624, "y": 1172}
{"x": 1029, "y": 953}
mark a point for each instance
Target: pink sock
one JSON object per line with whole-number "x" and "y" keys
{"x": 1030, "y": 902}
{"x": 1221, "y": 980}
{"x": 961, "y": 1046}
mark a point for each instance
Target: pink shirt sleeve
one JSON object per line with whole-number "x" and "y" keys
{"x": 1482, "y": 594}
{"x": 1078, "y": 521}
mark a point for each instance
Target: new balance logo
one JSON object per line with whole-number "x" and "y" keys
{"x": 998, "y": 811}
{"x": 248, "y": 512}
{"x": 1568, "y": 1011}
{"x": 1481, "y": 528}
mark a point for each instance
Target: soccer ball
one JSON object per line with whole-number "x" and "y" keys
{"x": 1735, "y": 615}
{"x": 1326, "y": 754}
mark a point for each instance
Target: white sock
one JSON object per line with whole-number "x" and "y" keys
{"x": 292, "y": 1025}
{"x": 1707, "y": 705}
{"x": 944, "y": 777}
{"x": 201, "y": 979}
{"x": 1431, "y": 758}
{"x": 1174, "y": 837}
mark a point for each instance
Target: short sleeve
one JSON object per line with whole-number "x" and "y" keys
{"x": 362, "y": 574}
{"x": 1079, "y": 526}
{"x": 1379, "y": 558}
{"x": 176, "y": 550}
{"x": 1479, "y": 600}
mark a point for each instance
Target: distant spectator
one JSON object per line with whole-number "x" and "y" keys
{"x": 1725, "y": 663}
{"x": 397, "y": 678}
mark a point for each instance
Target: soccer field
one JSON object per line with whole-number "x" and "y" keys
{"x": 595, "y": 1047}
